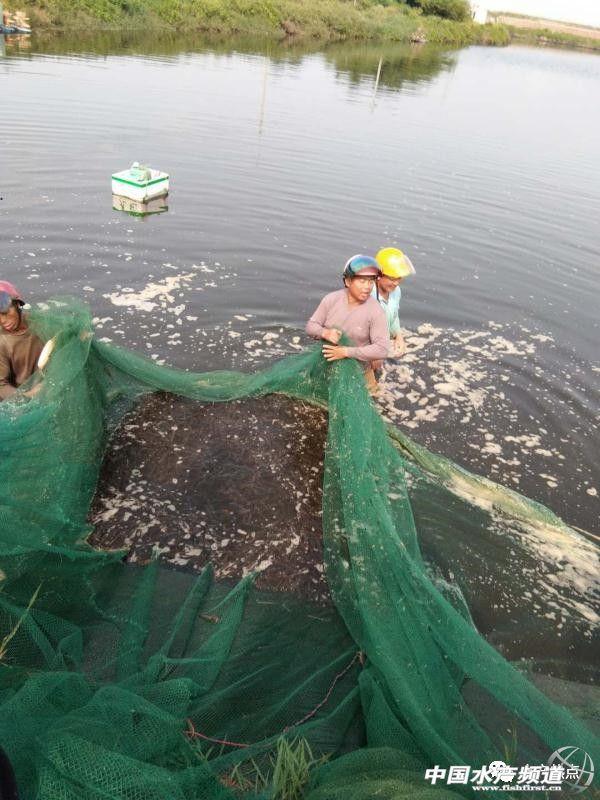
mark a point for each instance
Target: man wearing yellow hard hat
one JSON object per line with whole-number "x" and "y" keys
{"x": 395, "y": 266}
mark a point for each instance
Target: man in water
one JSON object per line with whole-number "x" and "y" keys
{"x": 394, "y": 266}
{"x": 353, "y": 311}
{"x": 19, "y": 347}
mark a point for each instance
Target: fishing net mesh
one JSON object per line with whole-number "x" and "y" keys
{"x": 121, "y": 681}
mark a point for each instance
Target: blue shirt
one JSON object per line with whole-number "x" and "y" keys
{"x": 391, "y": 307}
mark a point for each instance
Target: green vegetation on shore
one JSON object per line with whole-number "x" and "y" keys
{"x": 436, "y": 21}
{"x": 549, "y": 38}
{"x": 524, "y": 29}
{"x": 445, "y": 22}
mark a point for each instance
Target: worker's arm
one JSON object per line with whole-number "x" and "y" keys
{"x": 315, "y": 326}
{"x": 6, "y": 387}
{"x": 379, "y": 346}
{"x": 399, "y": 345}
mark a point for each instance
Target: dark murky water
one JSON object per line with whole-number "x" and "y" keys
{"x": 481, "y": 163}
{"x": 234, "y": 484}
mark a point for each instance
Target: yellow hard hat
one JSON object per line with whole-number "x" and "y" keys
{"x": 394, "y": 263}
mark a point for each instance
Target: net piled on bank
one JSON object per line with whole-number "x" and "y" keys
{"x": 124, "y": 682}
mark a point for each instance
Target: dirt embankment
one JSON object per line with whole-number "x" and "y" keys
{"x": 530, "y": 23}
{"x": 234, "y": 484}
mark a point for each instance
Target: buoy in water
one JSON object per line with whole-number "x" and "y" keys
{"x": 140, "y": 183}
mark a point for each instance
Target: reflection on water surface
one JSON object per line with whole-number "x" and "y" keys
{"x": 286, "y": 158}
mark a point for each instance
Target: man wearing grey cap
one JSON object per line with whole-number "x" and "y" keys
{"x": 353, "y": 312}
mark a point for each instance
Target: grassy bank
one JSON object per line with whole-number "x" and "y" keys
{"x": 387, "y": 20}
{"x": 547, "y": 38}
{"x": 524, "y": 29}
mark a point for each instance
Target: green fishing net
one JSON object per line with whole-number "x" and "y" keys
{"x": 122, "y": 681}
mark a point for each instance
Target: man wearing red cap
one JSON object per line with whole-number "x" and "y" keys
{"x": 19, "y": 347}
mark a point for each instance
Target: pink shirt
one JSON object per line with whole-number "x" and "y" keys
{"x": 365, "y": 323}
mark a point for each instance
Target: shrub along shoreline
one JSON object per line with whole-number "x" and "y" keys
{"x": 442, "y": 22}
{"x": 436, "y": 21}
{"x": 544, "y": 37}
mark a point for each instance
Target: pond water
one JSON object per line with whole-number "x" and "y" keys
{"x": 482, "y": 164}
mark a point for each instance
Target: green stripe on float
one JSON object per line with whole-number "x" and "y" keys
{"x": 139, "y": 185}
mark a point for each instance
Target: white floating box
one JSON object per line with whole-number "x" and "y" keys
{"x": 140, "y": 183}
{"x": 157, "y": 205}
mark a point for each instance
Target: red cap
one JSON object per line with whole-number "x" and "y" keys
{"x": 9, "y": 288}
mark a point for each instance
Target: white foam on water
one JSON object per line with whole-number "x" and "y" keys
{"x": 154, "y": 295}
